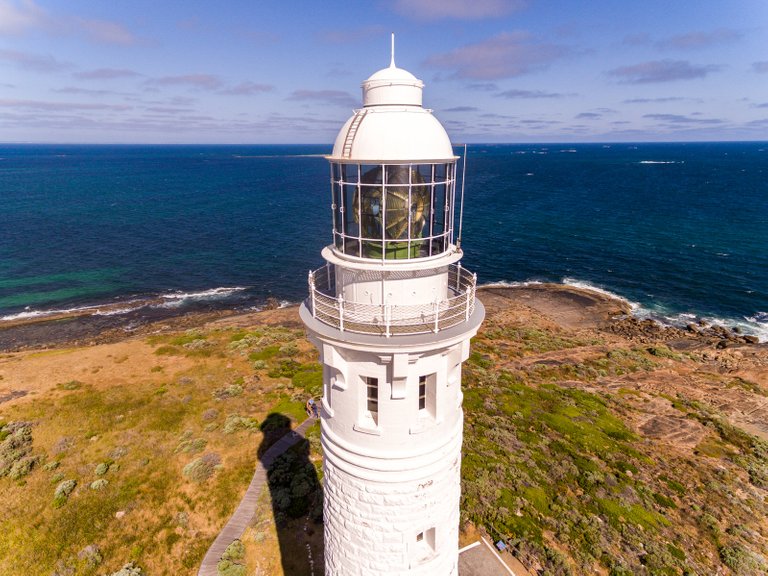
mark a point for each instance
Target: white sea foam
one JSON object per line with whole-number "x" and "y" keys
{"x": 505, "y": 284}
{"x": 117, "y": 311}
{"x": 176, "y": 299}
{"x": 29, "y": 313}
{"x": 661, "y": 162}
{"x": 584, "y": 285}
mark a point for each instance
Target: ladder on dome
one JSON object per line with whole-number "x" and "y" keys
{"x": 346, "y": 152}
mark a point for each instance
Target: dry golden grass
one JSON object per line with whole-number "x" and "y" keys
{"x": 146, "y": 408}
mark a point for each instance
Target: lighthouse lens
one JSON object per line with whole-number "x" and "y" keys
{"x": 393, "y": 211}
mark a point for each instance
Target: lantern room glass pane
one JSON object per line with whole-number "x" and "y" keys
{"x": 349, "y": 172}
{"x": 350, "y": 217}
{"x": 392, "y": 211}
{"x": 336, "y": 207}
{"x": 441, "y": 204}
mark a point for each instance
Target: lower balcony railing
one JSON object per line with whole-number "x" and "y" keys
{"x": 388, "y": 319}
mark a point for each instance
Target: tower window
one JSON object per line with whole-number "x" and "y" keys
{"x": 427, "y": 398}
{"x": 424, "y": 547}
{"x": 372, "y": 395}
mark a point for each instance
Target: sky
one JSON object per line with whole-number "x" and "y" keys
{"x": 266, "y": 71}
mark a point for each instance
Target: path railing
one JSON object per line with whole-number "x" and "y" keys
{"x": 388, "y": 319}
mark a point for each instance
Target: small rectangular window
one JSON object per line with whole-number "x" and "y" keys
{"x": 372, "y": 385}
{"x": 424, "y": 547}
{"x": 422, "y": 392}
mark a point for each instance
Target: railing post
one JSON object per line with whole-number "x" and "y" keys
{"x": 469, "y": 301}
{"x": 312, "y": 292}
{"x": 341, "y": 312}
{"x": 328, "y": 275}
{"x": 387, "y": 319}
{"x": 458, "y": 276}
{"x": 437, "y": 316}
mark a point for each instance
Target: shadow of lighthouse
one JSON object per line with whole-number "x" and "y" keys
{"x": 297, "y": 497}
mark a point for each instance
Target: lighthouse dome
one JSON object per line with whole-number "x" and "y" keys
{"x": 392, "y": 85}
{"x": 392, "y": 125}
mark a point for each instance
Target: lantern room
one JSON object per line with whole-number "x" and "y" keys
{"x": 393, "y": 175}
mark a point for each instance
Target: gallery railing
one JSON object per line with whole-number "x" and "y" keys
{"x": 388, "y": 319}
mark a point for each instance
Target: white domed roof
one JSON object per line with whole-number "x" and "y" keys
{"x": 393, "y": 73}
{"x": 392, "y": 85}
{"x": 393, "y": 133}
{"x": 393, "y": 125}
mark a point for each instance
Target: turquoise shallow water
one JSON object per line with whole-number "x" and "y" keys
{"x": 680, "y": 230}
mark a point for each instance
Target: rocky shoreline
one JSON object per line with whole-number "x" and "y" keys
{"x": 569, "y": 306}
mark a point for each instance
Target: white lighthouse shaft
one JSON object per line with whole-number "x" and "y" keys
{"x": 392, "y": 314}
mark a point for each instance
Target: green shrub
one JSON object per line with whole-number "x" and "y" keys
{"x": 101, "y": 469}
{"x": 23, "y": 467}
{"x": 286, "y": 369}
{"x": 191, "y": 446}
{"x": 62, "y": 492}
{"x": 90, "y": 555}
{"x": 71, "y": 385}
{"x": 129, "y": 569}
{"x": 289, "y": 349}
{"x": 234, "y": 552}
{"x": 15, "y": 447}
{"x": 739, "y": 560}
{"x": 201, "y": 469}
{"x": 99, "y": 484}
{"x": 235, "y": 423}
{"x": 228, "y": 568}
{"x": 228, "y": 392}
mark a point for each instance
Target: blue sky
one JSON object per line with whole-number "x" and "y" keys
{"x": 264, "y": 71}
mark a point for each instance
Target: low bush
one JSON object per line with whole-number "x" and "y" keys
{"x": 129, "y": 569}
{"x": 235, "y": 423}
{"x": 201, "y": 469}
{"x": 99, "y": 484}
{"x": 62, "y": 492}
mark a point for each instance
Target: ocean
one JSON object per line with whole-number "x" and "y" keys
{"x": 678, "y": 230}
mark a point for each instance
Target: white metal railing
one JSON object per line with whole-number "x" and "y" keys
{"x": 388, "y": 319}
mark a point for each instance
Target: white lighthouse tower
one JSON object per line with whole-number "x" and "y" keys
{"x": 392, "y": 313}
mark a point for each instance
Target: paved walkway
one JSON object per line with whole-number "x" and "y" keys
{"x": 247, "y": 508}
{"x": 481, "y": 559}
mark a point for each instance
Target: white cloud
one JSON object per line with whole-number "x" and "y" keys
{"x": 661, "y": 71}
{"x": 105, "y": 32}
{"x": 533, "y": 94}
{"x": 457, "y": 9}
{"x": 33, "y": 62}
{"x": 17, "y": 17}
{"x": 198, "y": 81}
{"x": 247, "y": 89}
{"x": 59, "y": 106}
{"x": 504, "y": 56}
{"x": 696, "y": 40}
{"x": 334, "y": 97}
{"x": 106, "y": 74}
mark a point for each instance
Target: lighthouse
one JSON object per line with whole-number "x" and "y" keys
{"x": 392, "y": 312}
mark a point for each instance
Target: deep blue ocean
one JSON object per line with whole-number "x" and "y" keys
{"x": 679, "y": 230}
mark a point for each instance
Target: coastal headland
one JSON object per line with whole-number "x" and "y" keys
{"x": 595, "y": 442}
